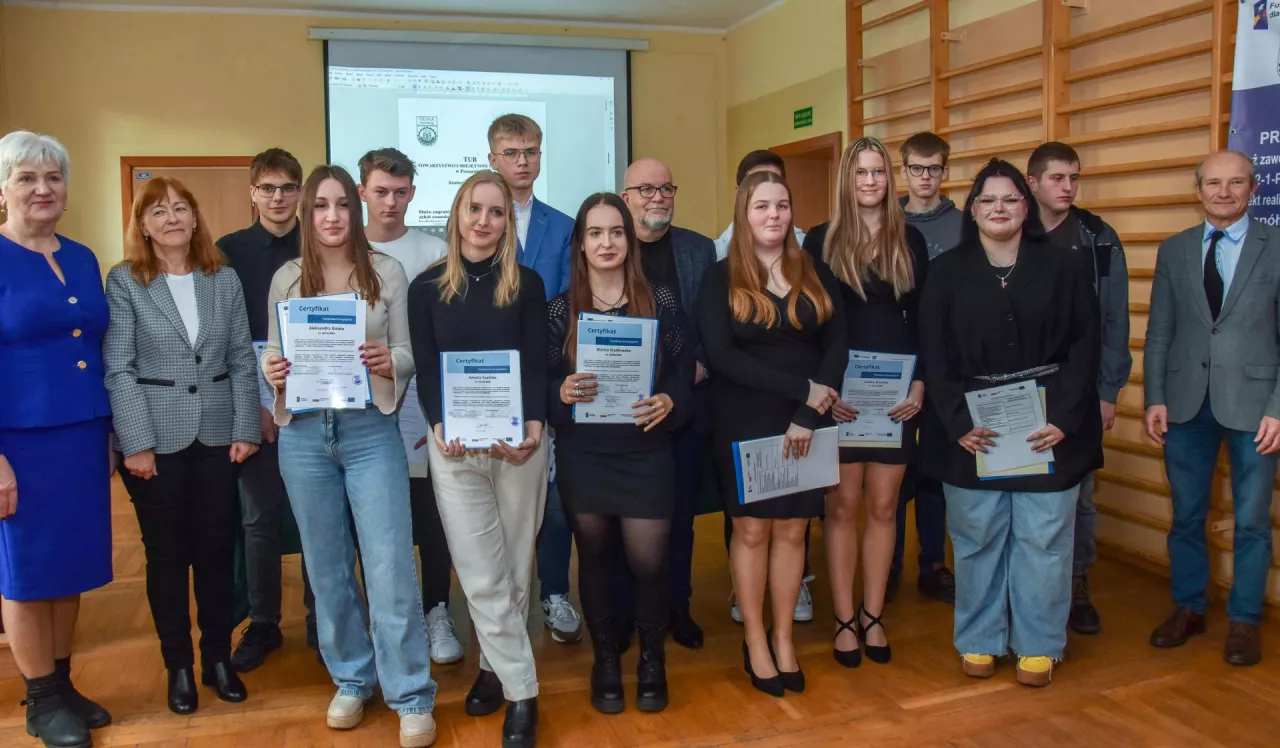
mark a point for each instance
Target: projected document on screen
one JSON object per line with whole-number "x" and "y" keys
{"x": 441, "y": 118}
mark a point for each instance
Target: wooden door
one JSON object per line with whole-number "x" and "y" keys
{"x": 811, "y": 174}
{"x": 219, "y": 183}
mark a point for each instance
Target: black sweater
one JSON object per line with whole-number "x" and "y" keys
{"x": 472, "y": 322}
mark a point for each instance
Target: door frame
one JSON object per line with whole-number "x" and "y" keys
{"x": 834, "y": 141}
{"x": 129, "y": 163}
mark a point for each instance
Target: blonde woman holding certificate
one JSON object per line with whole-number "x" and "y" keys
{"x": 336, "y": 461}
{"x": 881, "y": 263}
{"x": 491, "y": 500}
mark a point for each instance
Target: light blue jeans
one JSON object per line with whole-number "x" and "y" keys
{"x": 331, "y": 460}
{"x": 1013, "y": 569}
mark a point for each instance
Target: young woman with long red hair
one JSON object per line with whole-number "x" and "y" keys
{"x": 618, "y": 480}
{"x": 772, "y": 326}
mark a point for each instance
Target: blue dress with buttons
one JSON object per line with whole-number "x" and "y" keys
{"x": 54, "y": 423}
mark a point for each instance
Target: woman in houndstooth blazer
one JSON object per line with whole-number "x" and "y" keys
{"x": 181, "y": 374}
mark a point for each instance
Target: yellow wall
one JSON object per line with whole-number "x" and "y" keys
{"x": 112, "y": 84}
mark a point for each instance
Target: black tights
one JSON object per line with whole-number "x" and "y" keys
{"x": 645, "y": 544}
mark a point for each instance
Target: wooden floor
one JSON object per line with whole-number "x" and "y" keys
{"x": 1114, "y": 690}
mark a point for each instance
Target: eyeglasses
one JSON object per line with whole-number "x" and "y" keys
{"x": 988, "y": 202}
{"x": 647, "y": 190}
{"x": 269, "y": 190}
{"x": 512, "y": 155}
{"x": 870, "y": 175}
{"x": 917, "y": 170}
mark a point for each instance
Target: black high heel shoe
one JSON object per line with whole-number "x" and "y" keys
{"x": 879, "y": 655}
{"x": 793, "y": 681}
{"x": 772, "y": 686}
{"x": 849, "y": 658}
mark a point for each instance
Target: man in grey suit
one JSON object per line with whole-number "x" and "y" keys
{"x": 1211, "y": 362}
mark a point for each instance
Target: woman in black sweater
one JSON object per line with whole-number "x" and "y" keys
{"x": 772, "y": 326}
{"x": 491, "y": 501}
{"x": 1006, "y": 306}
{"x": 617, "y": 479}
{"x": 881, "y": 263}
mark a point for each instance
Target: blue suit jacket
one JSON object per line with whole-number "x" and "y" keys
{"x": 546, "y": 250}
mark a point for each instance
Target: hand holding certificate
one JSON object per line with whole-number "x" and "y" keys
{"x": 619, "y": 352}
{"x": 323, "y": 337}
{"x": 770, "y": 467}
{"x": 875, "y": 385}
{"x": 483, "y": 401}
{"x": 1005, "y": 418}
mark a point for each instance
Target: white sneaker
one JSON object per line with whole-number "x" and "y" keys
{"x": 562, "y": 619}
{"x": 417, "y": 730}
{"x": 804, "y": 602}
{"x": 445, "y": 647}
{"x": 345, "y": 712}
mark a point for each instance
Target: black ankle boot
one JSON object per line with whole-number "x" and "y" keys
{"x": 183, "y": 697}
{"x": 50, "y": 719}
{"x": 520, "y": 728}
{"x": 485, "y": 696}
{"x": 606, "y": 672}
{"x": 651, "y": 674}
{"x": 90, "y": 712}
{"x": 224, "y": 681}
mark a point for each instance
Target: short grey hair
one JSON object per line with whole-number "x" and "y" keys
{"x": 22, "y": 147}
{"x": 1253, "y": 167}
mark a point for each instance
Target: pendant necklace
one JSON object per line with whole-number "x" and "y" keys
{"x": 1005, "y": 278}
{"x": 610, "y": 307}
{"x": 476, "y": 278}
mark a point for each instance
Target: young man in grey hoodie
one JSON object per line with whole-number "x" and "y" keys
{"x": 1053, "y": 172}
{"x": 924, "y": 169}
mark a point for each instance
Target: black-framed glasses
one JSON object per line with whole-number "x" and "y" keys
{"x": 512, "y": 155}
{"x": 647, "y": 190}
{"x": 918, "y": 170}
{"x": 269, "y": 190}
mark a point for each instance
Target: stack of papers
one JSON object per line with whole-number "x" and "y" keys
{"x": 321, "y": 337}
{"x": 763, "y": 473}
{"x": 413, "y": 427}
{"x": 1014, "y": 412}
{"x": 621, "y": 352}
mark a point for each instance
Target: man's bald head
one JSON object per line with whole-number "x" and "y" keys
{"x": 1225, "y": 183}
{"x": 653, "y": 211}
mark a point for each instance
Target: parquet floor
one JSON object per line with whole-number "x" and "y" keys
{"x": 1114, "y": 690}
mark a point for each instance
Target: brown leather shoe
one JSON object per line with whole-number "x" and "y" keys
{"x": 1182, "y": 624}
{"x": 1244, "y": 644}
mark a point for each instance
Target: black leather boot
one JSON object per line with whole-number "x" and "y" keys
{"x": 183, "y": 697}
{"x": 606, "y": 672}
{"x": 92, "y": 713}
{"x": 520, "y": 728}
{"x": 485, "y": 696}
{"x": 50, "y": 719}
{"x": 224, "y": 680}
{"x": 651, "y": 674}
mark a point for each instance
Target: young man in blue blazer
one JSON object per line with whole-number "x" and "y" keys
{"x": 515, "y": 152}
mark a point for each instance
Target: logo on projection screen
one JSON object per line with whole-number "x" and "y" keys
{"x": 428, "y": 130}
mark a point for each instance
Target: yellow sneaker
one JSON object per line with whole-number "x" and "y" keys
{"x": 978, "y": 665}
{"x": 1035, "y": 671}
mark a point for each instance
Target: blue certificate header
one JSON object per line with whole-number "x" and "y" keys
{"x": 613, "y": 335}
{"x": 478, "y": 363}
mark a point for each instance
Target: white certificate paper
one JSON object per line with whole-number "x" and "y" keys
{"x": 322, "y": 337}
{"x": 1014, "y": 411}
{"x": 413, "y": 427}
{"x": 763, "y": 473}
{"x": 874, "y": 384}
{"x": 266, "y": 393}
{"x": 483, "y": 403}
{"x": 620, "y": 351}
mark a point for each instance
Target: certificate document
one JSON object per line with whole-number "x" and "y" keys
{"x": 763, "y": 473}
{"x": 322, "y": 337}
{"x": 413, "y": 427}
{"x": 621, "y": 352}
{"x": 874, "y": 384}
{"x": 483, "y": 402}
{"x": 1014, "y": 411}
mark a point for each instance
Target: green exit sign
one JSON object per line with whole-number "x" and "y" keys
{"x": 802, "y": 118}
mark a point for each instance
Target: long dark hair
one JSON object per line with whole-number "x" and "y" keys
{"x": 363, "y": 277}
{"x": 640, "y": 301}
{"x": 1032, "y": 226}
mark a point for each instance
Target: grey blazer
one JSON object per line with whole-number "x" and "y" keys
{"x": 165, "y": 392}
{"x": 1234, "y": 358}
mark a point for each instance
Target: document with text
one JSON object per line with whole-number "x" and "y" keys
{"x": 763, "y": 473}
{"x": 621, "y": 352}
{"x": 1014, "y": 412}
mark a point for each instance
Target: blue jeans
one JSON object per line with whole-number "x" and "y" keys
{"x": 931, "y": 518}
{"x": 1086, "y": 543}
{"x": 554, "y": 547}
{"x": 1190, "y": 452}
{"x": 321, "y": 454}
{"x": 1013, "y": 569}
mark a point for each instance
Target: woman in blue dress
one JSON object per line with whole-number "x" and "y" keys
{"x": 55, "y": 464}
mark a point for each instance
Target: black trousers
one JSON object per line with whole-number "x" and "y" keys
{"x": 187, "y": 513}
{"x": 265, "y": 502}
{"x": 428, "y": 535}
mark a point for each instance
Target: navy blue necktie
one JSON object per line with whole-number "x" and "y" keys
{"x": 1213, "y": 286}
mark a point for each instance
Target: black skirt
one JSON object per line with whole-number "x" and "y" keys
{"x": 633, "y": 485}
{"x": 904, "y": 455}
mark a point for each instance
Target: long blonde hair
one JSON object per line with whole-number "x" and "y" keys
{"x": 748, "y": 277}
{"x": 851, "y": 250}
{"x": 453, "y": 282}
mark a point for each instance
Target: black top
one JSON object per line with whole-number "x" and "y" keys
{"x": 658, "y": 259}
{"x": 674, "y": 377}
{"x": 970, "y": 326}
{"x": 472, "y": 322}
{"x": 256, "y": 254}
{"x": 1067, "y": 233}
{"x": 883, "y": 323}
{"x": 761, "y": 374}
